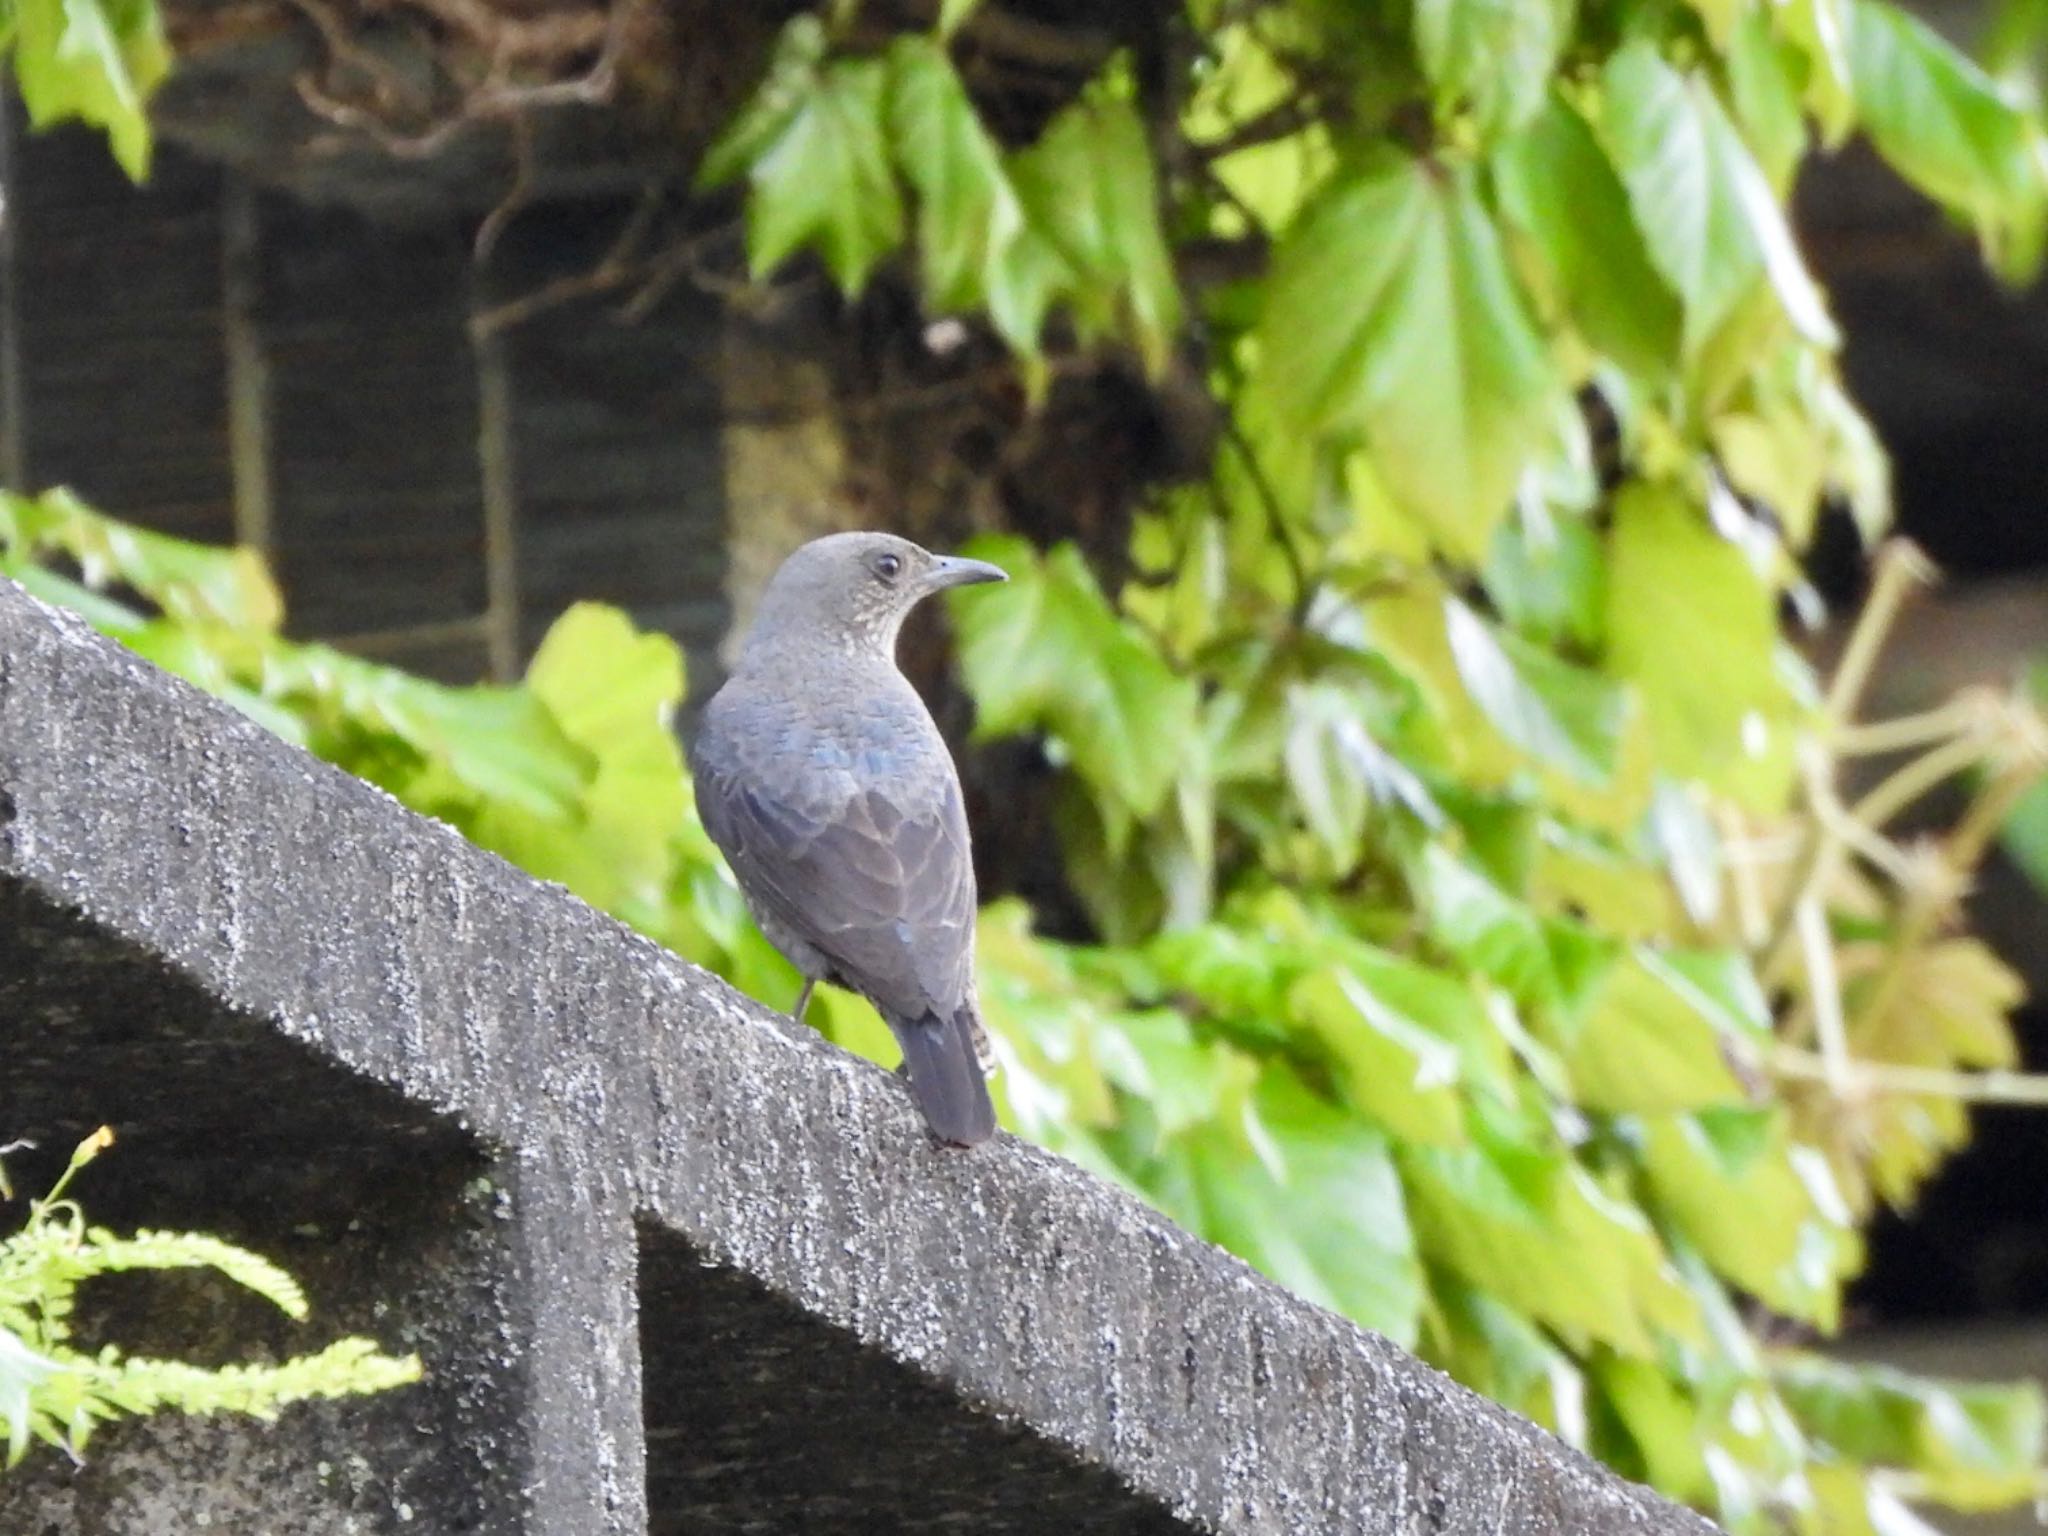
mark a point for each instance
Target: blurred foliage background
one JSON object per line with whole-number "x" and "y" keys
{"x": 1482, "y": 942}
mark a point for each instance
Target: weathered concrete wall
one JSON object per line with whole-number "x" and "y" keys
{"x": 494, "y": 1125}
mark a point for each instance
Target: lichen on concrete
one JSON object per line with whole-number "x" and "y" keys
{"x": 675, "y": 1264}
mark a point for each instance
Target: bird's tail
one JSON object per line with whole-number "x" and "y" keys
{"x": 946, "y": 1077}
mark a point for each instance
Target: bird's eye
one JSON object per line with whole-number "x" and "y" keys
{"x": 888, "y": 567}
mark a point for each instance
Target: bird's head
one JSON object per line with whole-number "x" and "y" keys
{"x": 854, "y": 589}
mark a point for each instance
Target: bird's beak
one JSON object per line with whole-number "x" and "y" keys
{"x": 955, "y": 571}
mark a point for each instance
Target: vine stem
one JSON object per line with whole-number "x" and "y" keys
{"x": 1901, "y": 569}
{"x": 1884, "y": 1077}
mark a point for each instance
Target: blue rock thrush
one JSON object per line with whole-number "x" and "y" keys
{"x": 821, "y": 776}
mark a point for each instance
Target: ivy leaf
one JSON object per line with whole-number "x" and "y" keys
{"x": 1561, "y": 714}
{"x": 496, "y": 743}
{"x": 1696, "y": 713}
{"x": 1045, "y": 650}
{"x": 1713, "y": 226}
{"x": 974, "y": 238}
{"x": 1949, "y": 129}
{"x": 1483, "y": 926}
{"x": 1530, "y": 1227}
{"x": 1977, "y": 1446}
{"x": 1661, "y": 1421}
{"x": 614, "y": 689}
{"x": 1155, "y": 1056}
{"x": 1397, "y": 1070}
{"x": 824, "y": 178}
{"x": 1771, "y": 1219}
{"x": 1552, "y": 587}
{"x": 1321, "y": 1211}
{"x": 1763, "y": 76}
{"x": 1089, "y": 188}
{"x": 1947, "y": 1006}
{"x": 1326, "y": 745}
{"x": 1644, "y": 1044}
{"x": 96, "y": 60}
{"x": 791, "y": 76}
{"x": 197, "y": 585}
{"x": 1391, "y": 313}
{"x": 1685, "y": 836}
{"x": 1499, "y": 1351}
{"x": 1821, "y": 30}
{"x": 1241, "y": 975}
{"x": 1495, "y": 54}
{"x": 1557, "y": 186}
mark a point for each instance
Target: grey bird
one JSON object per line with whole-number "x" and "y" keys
{"x": 820, "y": 775}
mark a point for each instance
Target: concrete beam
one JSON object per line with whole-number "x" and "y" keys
{"x": 220, "y": 943}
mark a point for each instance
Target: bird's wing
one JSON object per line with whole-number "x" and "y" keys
{"x": 884, "y": 892}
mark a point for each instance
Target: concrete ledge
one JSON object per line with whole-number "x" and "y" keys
{"x": 204, "y": 934}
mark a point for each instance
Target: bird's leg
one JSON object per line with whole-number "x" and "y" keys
{"x": 803, "y": 999}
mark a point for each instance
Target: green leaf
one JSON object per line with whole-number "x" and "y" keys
{"x": 1319, "y": 1209}
{"x": 499, "y": 743}
{"x": 613, "y": 690}
{"x": 824, "y": 178}
{"x": 1684, "y": 834}
{"x": 1820, "y": 29}
{"x": 1045, "y": 650}
{"x": 953, "y": 15}
{"x": 1392, "y": 314}
{"x": 1663, "y": 1426}
{"x": 1155, "y": 1056}
{"x": 198, "y": 585}
{"x": 1567, "y": 716}
{"x": 1949, "y": 128}
{"x": 1325, "y": 745}
{"x": 22, "y": 1370}
{"x": 1763, "y": 81}
{"x": 791, "y": 76}
{"x": 1643, "y": 1044}
{"x": 1762, "y": 1210}
{"x": 1479, "y": 923}
{"x": 1240, "y": 975}
{"x": 1496, "y": 55}
{"x": 975, "y": 242}
{"x": 94, "y": 61}
{"x": 1557, "y": 186}
{"x": 1977, "y": 1446}
{"x": 1531, "y": 1228}
{"x": 1550, "y": 585}
{"x": 1089, "y": 188}
{"x": 1713, "y": 226}
{"x": 1697, "y": 714}
{"x": 1395, "y": 1068}
{"x": 1499, "y": 1351}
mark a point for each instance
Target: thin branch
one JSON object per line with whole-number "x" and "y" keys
{"x": 1283, "y": 119}
{"x": 516, "y": 196}
{"x": 1884, "y": 1077}
{"x": 1276, "y": 519}
{"x": 1824, "y": 987}
{"x": 1901, "y": 568}
{"x": 1906, "y": 785}
{"x": 1960, "y": 714}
